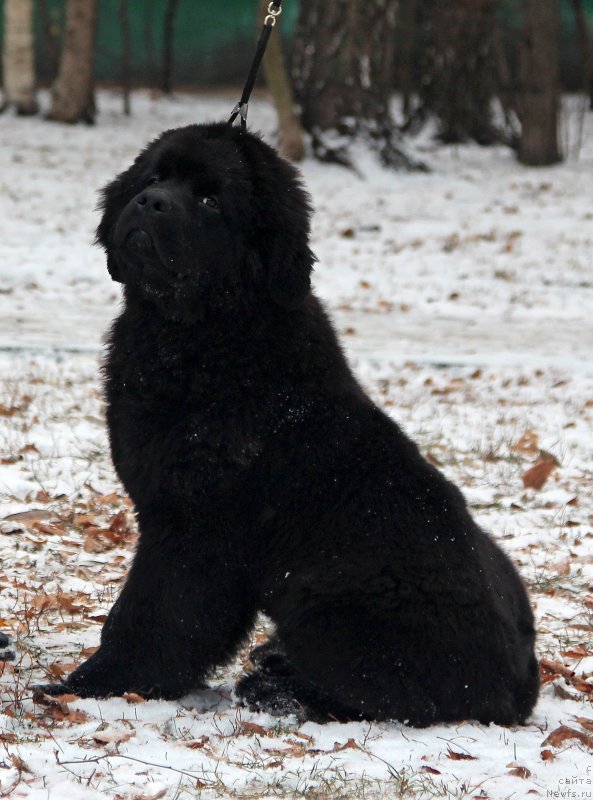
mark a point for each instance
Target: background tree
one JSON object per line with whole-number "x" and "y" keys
{"x": 343, "y": 69}
{"x": 168, "y": 49}
{"x": 48, "y": 45}
{"x": 18, "y": 57}
{"x": 73, "y": 90}
{"x": 459, "y": 69}
{"x": 126, "y": 78}
{"x": 539, "y": 100}
{"x": 586, "y": 47}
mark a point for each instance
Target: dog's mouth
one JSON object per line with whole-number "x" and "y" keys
{"x": 138, "y": 241}
{"x": 142, "y": 252}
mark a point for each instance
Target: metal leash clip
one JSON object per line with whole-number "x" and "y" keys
{"x": 273, "y": 12}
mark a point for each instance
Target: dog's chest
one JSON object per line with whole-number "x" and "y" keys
{"x": 171, "y": 396}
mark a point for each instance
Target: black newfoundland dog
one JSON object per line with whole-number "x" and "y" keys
{"x": 264, "y": 479}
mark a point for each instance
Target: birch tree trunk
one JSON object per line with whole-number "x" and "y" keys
{"x": 539, "y": 95}
{"x": 343, "y": 74}
{"x": 73, "y": 90}
{"x": 18, "y": 62}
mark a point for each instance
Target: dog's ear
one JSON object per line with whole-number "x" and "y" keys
{"x": 282, "y": 212}
{"x": 112, "y": 197}
{"x": 113, "y": 269}
{"x": 289, "y": 274}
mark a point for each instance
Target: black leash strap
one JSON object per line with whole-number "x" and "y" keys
{"x": 274, "y": 10}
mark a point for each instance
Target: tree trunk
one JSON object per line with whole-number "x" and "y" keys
{"x": 72, "y": 91}
{"x": 168, "y": 30}
{"x": 406, "y": 53}
{"x": 278, "y": 82}
{"x": 343, "y": 70}
{"x": 18, "y": 58}
{"x": 459, "y": 69}
{"x": 586, "y": 47}
{"x": 50, "y": 43}
{"x": 539, "y": 71}
{"x": 124, "y": 23}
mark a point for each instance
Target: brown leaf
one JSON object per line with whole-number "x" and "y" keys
{"x": 85, "y": 520}
{"x": 430, "y": 770}
{"x": 563, "y": 568}
{"x": 550, "y": 668}
{"x": 133, "y": 698}
{"x": 108, "y": 735}
{"x": 56, "y": 670}
{"x": 33, "y": 514}
{"x": 161, "y": 793}
{"x": 547, "y": 755}
{"x": 111, "y": 499}
{"x": 19, "y": 764}
{"x": 585, "y": 723}
{"x": 252, "y": 729}
{"x": 198, "y": 743}
{"x": 304, "y": 736}
{"x": 538, "y": 474}
{"x": 28, "y": 448}
{"x": 518, "y": 771}
{"x": 58, "y": 709}
{"x": 350, "y": 745}
{"x": 93, "y": 544}
{"x": 455, "y": 756}
{"x": 579, "y": 651}
{"x": 50, "y": 530}
{"x": 565, "y": 734}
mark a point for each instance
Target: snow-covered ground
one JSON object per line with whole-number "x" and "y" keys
{"x": 465, "y": 301}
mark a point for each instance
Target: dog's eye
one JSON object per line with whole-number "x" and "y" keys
{"x": 211, "y": 202}
{"x": 153, "y": 179}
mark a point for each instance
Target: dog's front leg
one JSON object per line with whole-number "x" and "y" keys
{"x": 182, "y": 611}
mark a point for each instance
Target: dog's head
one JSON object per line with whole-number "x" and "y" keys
{"x": 208, "y": 215}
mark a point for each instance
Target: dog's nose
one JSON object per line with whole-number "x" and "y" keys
{"x": 154, "y": 200}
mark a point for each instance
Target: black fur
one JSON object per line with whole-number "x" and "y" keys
{"x": 264, "y": 479}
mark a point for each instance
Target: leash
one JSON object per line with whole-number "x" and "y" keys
{"x": 240, "y": 110}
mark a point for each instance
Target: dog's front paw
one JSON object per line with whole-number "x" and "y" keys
{"x": 99, "y": 676}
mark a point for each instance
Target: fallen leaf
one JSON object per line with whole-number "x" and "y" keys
{"x": 518, "y": 771}
{"x": 350, "y": 745}
{"x": 252, "y": 729}
{"x": 538, "y": 474}
{"x": 547, "y": 755}
{"x": 21, "y": 765}
{"x": 455, "y": 756}
{"x": 585, "y": 723}
{"x": 580, "y": 651}
{"x": 107, "y": 735}
{"x": 132, "y": 698}
{"x": 430, "y": 770}
{"x": 304, "y": 736}
{"x": 157, "y": 796}
{"x": 198, "y": 743}
{"x": 565, "y": 734}
{"x": 32, "y": 514}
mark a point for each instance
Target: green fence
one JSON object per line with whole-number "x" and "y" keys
{"x": 213, "y": 39}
